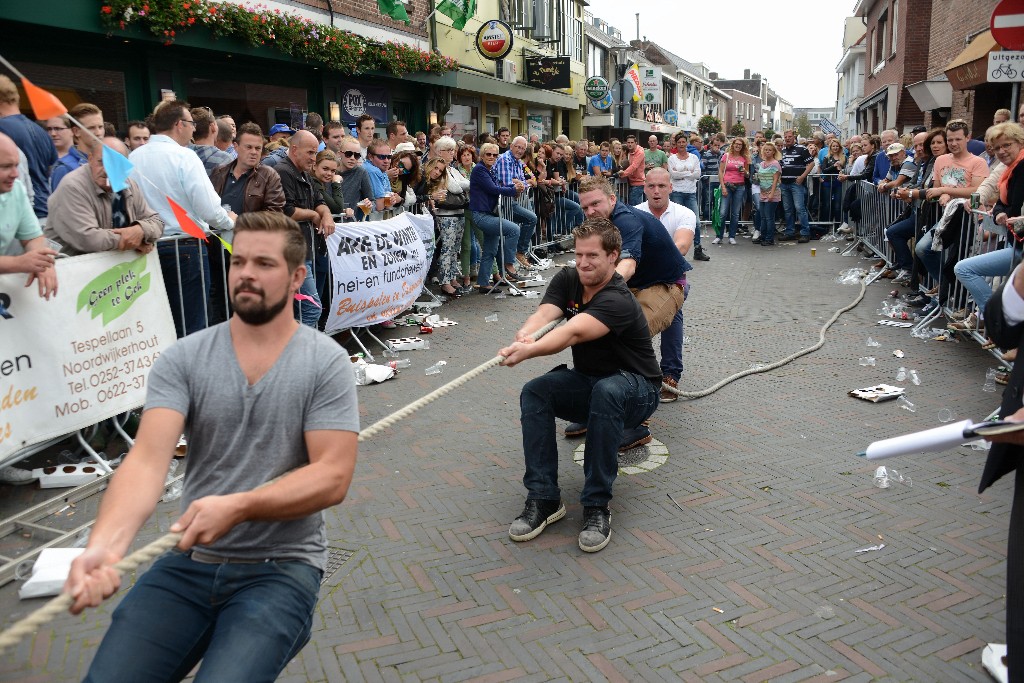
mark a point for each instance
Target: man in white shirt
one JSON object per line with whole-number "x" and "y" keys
{"x": 681, "y": 223}
{"x": 166, "y": 169}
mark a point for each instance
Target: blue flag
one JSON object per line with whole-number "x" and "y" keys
{"x": 117, "y": 167}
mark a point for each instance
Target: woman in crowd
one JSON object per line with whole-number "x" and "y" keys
{"x": 618, "y": 156}
{"x": 327, "y": 180}
{"x": 469, "y": 257}
{"x": 1007, "y": 143}
{"x": 408, "y": 165}
{"x": 449, "y": 195}
{"x": 870, "y": 145}
{"x": 684, "y": 172}
{"x": 831, "y": 189}
{"x": 769, "y": 174}
{"x": 734, "y": 167}
{"x": 483, "y": 205}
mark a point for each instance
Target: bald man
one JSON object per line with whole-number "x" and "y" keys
{"x": 87, "y": 216}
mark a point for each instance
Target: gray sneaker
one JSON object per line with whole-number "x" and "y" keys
{"x": 574, "y": 429}
{"x": 534, "y": 518}
{"x": 597, "y": 529}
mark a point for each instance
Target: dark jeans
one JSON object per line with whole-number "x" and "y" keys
{"x": 672, "y": 344}
{"x": 186, "y": 267}
{"x": 607, "y": 405}
{"x": 244, "y": 621}
{"x": 831, "y": 211}
{"x": 636, "y": 195}
{"x": 732, "y": 206}
{"x": 899, "y": 234}
{"x": 768, "y": 220}
{"x": 527, "y": 222}
{"x": 689, "y": 200}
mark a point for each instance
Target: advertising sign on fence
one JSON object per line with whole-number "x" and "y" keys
{"x": 378, "y": 267}
{"x": 84, "y": 355}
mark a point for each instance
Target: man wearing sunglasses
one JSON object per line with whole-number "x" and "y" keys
{"x": 379, "y": 156}
{"x": 355, "y": 181}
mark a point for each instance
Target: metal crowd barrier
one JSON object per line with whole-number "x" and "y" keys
{"x": 878, "y": 211}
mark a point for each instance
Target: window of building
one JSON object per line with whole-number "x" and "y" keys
{"x": 597, "y": 60}
{"x": 73, "y": 85}
{"x": 895, "y": 25}
{"x": 882, "y": 36}
{"x": 464, "y": 116}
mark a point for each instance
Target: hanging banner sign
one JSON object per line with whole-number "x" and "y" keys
{"x": 551, "y": 73}
{"x": 357, "y": 100}
{"x": 379, "y": 268}
{"x": 650, "y": 84}
{"x": 494, "y": 39}
{"x": 633, "y": 76}
{"x": 84, "y": 355}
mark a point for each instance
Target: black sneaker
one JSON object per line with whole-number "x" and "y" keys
{"x": 787, "y": 238}
{"x": 803, "y": 240}
{"x": 574, "y": 429}
{"x": 597, "y": 529}
{"x": 700, "y": 255}
{"x": 534, "y": 518}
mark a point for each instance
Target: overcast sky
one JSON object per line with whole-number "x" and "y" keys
{"x": 796, "y": 49}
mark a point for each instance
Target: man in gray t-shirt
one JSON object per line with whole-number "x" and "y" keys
{"x": 270, "y": 411}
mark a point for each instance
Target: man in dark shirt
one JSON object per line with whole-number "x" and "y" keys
{"x": 355, "y": 181}
{"x": 796, "y": 164}
{"x": 650, "y": 262}
{"x": 32, "y": 140}
{"x": 613, "y": 384}
{"x": 307, "y": 207}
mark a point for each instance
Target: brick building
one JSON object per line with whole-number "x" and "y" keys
{"x": 744, "y": 109}
{"x": 961, "y": 40}
{"x": 897, "y": 44}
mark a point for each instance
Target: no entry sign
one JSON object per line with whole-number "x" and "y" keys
{"x": 1007, "y": 24}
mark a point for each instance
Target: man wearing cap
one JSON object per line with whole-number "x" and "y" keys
{"x": 902, "y": 169}
{"x": 901, "y": 231}
{"x": 280, "y": 131}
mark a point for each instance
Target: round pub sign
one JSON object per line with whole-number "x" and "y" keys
{"x": 494, "y": 39}
{"x": 596, "y": 87}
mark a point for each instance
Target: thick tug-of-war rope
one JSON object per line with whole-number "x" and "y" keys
{"x": 60, "y": 604}
{"x": 779, "y": 363}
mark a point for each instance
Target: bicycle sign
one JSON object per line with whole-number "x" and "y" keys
{"x": 1005, "y": 67}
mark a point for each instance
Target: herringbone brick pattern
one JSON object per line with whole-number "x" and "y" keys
{"x": 755, "y": 580}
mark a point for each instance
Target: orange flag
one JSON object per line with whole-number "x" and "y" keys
{"x": 44, "y": 103}
{"x": 186, "y": 223}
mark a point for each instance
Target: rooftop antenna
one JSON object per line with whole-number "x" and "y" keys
{"x": 638, "y": 26}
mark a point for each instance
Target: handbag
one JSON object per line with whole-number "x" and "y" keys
{"x": 454, "y": 201}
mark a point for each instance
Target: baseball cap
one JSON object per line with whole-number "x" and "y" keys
{"x": 894, "y": 148}
{"x": 281, "y": 128}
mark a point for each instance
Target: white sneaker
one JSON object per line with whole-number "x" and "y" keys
{"x": 992, "y": 662}
{"x": 717, "y": 240}
{"x": 732, "y": 240}
{"x": 756, "y": 235}
{"x": 845, "y": 228}
{"x": 902, "y": 277}
{"x": 15, "y": 476}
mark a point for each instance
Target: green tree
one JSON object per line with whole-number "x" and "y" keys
{"x": 803, "y": 126}
{"x": 769, "y": 133}
{"x": 709, "y": 125}
{"x": 738, "y": 130}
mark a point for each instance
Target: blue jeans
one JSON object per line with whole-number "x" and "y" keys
{"x": 527, "y": 222}
{"x": 899, "y": 234}
{"x": 672, "y": 343}
{"x": 244, "y": 621}
{"x": 636, "y": 195}
{"x": 572, "y": 214}
{"x": 794, "y": 199}
{"x": 732, "y": 205}
{"x": 973, "y": 271}
{"x": 932, "y": 260}
{"x": 607, "y": 405}
{"x": 493, "y": 228}
{"x": 768, "y": 221}
{"x": 186, "y": 265}
{"x": 689, "y": 200}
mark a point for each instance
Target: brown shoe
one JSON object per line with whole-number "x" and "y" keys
{"x": 523, "y": 261}
{"x": 933, "y": 291}
{"x": 666, "y": 395}
{"x": 881, "y": 264}
{"x": 1010, "y": 355}
{"x": 971, "y": 322}
{"x": 889, "y": 273}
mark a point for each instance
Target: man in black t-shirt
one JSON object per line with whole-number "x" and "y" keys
{"x": 796, "y": 164}
{"x": 613, "y": 385}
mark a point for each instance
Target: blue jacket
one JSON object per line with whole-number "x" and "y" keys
{"x": 484, "y": 190}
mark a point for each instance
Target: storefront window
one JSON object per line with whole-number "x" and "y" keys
{"x": 538, "y": 122}
{"x": 74, "y": 85}
{"x": 464, "y": 116}
{"x": 261, "y": 104}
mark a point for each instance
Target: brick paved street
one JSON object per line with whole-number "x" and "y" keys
{"x": 755, "y": 579}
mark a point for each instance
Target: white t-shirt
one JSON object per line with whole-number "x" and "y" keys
{"x": 676, "y": 217}
{"x": 684, "y": 173}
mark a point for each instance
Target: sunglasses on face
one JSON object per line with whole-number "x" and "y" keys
{"x": 489, "y": 154}
{"x": 350, "y": 154}
{"x": 383, "y": 157}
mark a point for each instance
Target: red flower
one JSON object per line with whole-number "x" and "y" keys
{"x": 186, "y": 5}
{"x": 213, "y": 10}
{"x": 107, "y": 9}
{"x": 191, "y": 20}
{"x": 145, "y": 8}
{"x": 172, "y": 33}
{"x": 122, "y": 24}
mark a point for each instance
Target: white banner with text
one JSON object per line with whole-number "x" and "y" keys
{"x": 379, "y": 268}
{"x": 84, "y": 355}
